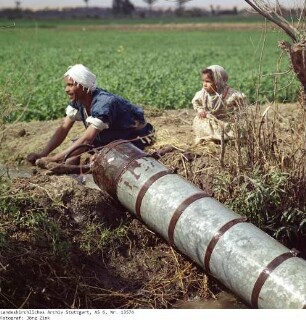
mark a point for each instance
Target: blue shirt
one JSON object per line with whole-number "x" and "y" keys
{"x": 115, "y": 111}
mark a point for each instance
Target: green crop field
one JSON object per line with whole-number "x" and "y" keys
{"x": 153, "y": 68}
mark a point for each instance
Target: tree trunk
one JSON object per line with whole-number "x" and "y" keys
{"x": 297, "y": 53}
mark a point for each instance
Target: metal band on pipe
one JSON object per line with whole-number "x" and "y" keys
{"x": 216, "y": 238}
{"x": 116, "y": 165}
{"x": 145, "y": 188}
{"x": 112, "y": 145}
{"x": 124, "y": 168}
{"x": 178, "y": 212}
{"x": 265, "y": 274}
{"x": 108, "y": 147}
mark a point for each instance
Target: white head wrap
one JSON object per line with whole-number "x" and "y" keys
{"x": 215, "y": 101}
{"x": 220, "y": 77}
{"x": 83, "y": 76}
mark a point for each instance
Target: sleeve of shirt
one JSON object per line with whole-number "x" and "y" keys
{"x": 103, "y": 113}
{"x": 197, "y": 101}
{"x": 73, "y": 113}
{"x": 97, "y": 123}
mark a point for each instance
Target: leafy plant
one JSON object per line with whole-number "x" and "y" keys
{"x": 151, "y": 68}
{"x": 96, "y": 236}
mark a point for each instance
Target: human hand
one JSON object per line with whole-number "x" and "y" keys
{"x": 32, "y": 157}
{"x": 51, "y": 168}
{"x": 43, "y": 162}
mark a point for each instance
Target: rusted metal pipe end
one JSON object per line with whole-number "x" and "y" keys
{"x": 112, "y": 161}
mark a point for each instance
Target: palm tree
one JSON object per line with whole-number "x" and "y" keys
{"x": 124, "y": 7}
{"x": 86, "y": 3}
{"x": 180, "y": 6}
{"x": 150, "y": 3}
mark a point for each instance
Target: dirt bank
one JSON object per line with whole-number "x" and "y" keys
{"x": 75, "y": 247}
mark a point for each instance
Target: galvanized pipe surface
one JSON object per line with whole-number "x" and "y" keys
{"x": 256, "y": 267}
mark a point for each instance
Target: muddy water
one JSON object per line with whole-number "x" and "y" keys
{"x": 27, "y": 172}
{"x": 222, "y": 300}
{"x": 18, "y": 172}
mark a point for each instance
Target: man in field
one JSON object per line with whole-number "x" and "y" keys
{"x": 106, "y": 117}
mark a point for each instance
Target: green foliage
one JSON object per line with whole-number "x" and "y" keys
{"x": 22, "y": 217}
{"x": 151, "y": 68}
{"x": 34, "y": 222}
{"x": 267, "y": 199}
{"x": 292, "y": 222}
{"x": 95, "y": 236}
{"x": 259, "y": 192}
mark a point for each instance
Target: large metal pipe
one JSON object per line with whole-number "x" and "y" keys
{"x": 263, "y": 272}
